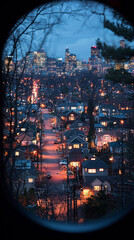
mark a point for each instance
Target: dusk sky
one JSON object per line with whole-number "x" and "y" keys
{"x": 79, "y": 36}
{"x": 78, "y": 32}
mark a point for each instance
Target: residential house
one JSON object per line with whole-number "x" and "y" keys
{"x": 116, "y": 147}
{"x": 76, "y": 142}
{"x": 107, "y": 109}
{"x": 95, "y": 175}
{"x": 80, "y": 125}
{"x": 105, "y": 137}
{"x": 75, "y": 159}
{"x": 68, "y": 118}
{"x": 94, "y": 184}
{"x": 70, "y": 133}
{"x": 24, "y": 175}
{"x": 99, "y": 127}
{"x": 76, "y": 107}
{"x": 94, "y": 167}
{"x": 24, "y": 139}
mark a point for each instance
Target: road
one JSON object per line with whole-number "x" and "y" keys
{"x": 50, "y": 156}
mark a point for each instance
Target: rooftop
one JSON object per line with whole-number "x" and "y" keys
{"x": 98, "y": 163}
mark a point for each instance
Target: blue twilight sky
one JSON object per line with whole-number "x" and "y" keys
{"x": 78, "y": 31}
{"x": 79, "y": 34}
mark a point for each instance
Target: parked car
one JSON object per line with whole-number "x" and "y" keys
{"x": 63, "y": 162}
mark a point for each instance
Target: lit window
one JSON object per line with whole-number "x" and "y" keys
{"x": 76, "y": 146}
{"x": 74, "y": 164}
{"x": 69, "y": 147}
{"x": 6, "y": 153}
{"x": 104, "y": 123}
{"x": 23, "y": 129}
{"x": 30, "y": 180}
{"x": 85, "y": 169}
{"x": 93, "y": 158}
{"x": 97, "y": 188}
{"x": 71, "y": 118}
{"x": 17, "y": 153}
{"x": 101, "y": 169}
{"x": 86, "y": 192}
{"x": 93, "y": 170}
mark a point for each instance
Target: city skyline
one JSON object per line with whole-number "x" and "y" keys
{"x": 78, "y": 29}
{"x": 79, "y": 33}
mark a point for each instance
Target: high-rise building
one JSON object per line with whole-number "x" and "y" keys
{"x": 40, "y": 58}
{"x": 95, "y": 52}
{"x": 70, "y": 61}
{"x": 67, "y": 55}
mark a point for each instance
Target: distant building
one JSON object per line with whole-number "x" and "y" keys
{"x": 8, "y": 64}
{"x": 76, "y": 107}
{"x": 70, "y": 61}
{"x": 51, "y": 66}
{"x": 94, "y": 167}
{"x": 95, "y": 52}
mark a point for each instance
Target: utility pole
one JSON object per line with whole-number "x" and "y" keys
{"x": 41, "y": 121}
{"x": 68, "y": 209}
{"x": 122, "y": 169}
{"x": 74, "y": 204}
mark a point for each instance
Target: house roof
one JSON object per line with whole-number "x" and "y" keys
{"x": 78, "y": 123}
{"x": 98, "y": 125}
{"x": 117, "y": 144}
{"x": 72, "y": 112}
{"x": 18, "y": 173}
{"x": 75, "y": 155}
{"x": 98, "y": 163}
{"x": 110, "y": 179}
{"x": 75, "y": 132}
{"x": 76, "y": 139}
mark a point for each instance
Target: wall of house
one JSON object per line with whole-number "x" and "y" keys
{"x": 97, "y": 173}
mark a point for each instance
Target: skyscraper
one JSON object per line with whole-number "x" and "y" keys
{"x": 67, "y": 54}
{"x": 95, "y": 52}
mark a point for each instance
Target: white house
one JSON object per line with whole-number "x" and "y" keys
{"x": 92, "y": 185}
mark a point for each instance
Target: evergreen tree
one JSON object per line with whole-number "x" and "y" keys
{"x": 120, "y": 27}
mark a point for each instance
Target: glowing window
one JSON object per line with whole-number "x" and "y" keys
{"x": 93, "y": 170}
{"x": 30, "y": 180}
{"x": 97, "y": 188}
{"x": 71, "y": 118}
{"x": 17, "y": 153}
{"x": 101, "y": 169}
{"x": 76, "y": 146}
